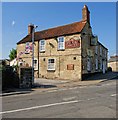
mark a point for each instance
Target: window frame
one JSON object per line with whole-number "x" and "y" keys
{"x": 62, "y": 43}
{"x": 36, "y": 65}
{"x": 96, "y": 63}
{"x": 88, "y": 64}
{"x": 42, "y": 46}
{"x": 54, "y": 64}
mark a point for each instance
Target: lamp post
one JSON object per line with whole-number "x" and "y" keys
{"x": 33, "y": 32}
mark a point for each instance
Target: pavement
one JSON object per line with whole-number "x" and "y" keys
{"x": 43, "y": 85}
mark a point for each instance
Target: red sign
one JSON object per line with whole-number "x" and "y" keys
{"x": 72, "y": 43}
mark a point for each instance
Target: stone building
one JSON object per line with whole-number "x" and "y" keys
{"x": 113, "y": 63}
{"x": 65, "y": 52}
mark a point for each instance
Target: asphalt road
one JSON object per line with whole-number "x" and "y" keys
{"x": 94, "y": 101}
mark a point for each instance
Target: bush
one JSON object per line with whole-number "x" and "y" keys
{"x": 109, "y": 69}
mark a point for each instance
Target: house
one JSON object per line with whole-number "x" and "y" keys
{"x": 64, "y": 52}
{"x": 113, "y": 63}
{"x": 5, "y": 62}
{"x": 13, "y": 62}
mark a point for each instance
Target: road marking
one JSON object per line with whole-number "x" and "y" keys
{"x": 113, "y": 95}
{"x": 36, "y": 107}
{"x": 91, "y": 98}
{"x": 70, "y": 98}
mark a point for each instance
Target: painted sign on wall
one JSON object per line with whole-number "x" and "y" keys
{"x": 74, "y": 42}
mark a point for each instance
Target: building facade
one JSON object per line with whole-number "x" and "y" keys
{"x": 64, "y": 52}
{"x": 113, "y": 63}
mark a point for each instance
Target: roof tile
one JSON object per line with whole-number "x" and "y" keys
{"x": 55, "y": 32}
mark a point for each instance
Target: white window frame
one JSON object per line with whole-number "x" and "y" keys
{"x": 61, "y": 44}
{"x": 96, "y": 63}
{"x": 100, "y": 64}
{"x": 88, "y": 64}
{"x": 51, "y": 66}
{"x": 36, "y": 65}
{"x": 42, "y": 46}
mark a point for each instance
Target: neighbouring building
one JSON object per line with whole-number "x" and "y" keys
{"x": 65, "y": 52}
{"x": 113, "y": 63}
{"x": 5, "y": 62}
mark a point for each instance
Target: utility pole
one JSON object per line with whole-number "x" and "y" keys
{"x": 33, "y": 32}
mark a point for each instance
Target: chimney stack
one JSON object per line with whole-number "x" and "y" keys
{"x": 85, "y": 14}
{"x": 30, "y": 28}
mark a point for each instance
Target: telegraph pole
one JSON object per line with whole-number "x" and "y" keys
{"x": 33, "y": 32}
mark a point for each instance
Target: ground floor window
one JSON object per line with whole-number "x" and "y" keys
{"x": 88, "y": 64}
{"x": 35, "y": 64}
{"x": 51, "y": 64}
{"x": 96, "y": 63}
{"x": 101, "y": 64}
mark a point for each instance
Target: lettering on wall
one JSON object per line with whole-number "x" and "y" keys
{"x": 74, "y": 42}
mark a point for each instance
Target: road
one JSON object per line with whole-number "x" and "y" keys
{"x": 93, "y": 101}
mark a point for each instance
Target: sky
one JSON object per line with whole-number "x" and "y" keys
{"x": 17, "y": 16}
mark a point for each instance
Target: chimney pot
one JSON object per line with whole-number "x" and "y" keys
{"x": 30, "y": 28}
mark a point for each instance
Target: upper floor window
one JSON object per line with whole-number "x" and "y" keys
{"x": 96, "y": 49}
{"x": 51, "y": 64}
{"x": 61, "y": 43}
{"x": 42, "y": 45}
{"x": 100, "y": 50}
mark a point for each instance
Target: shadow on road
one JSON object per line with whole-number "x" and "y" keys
{"x": 38, "y": 85}
{"x": 101, "y": 76}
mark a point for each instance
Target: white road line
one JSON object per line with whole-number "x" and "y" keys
{"x": 36, "y": 107}
{"x": 113, "y": 95}
{"x": 69, "y": 98}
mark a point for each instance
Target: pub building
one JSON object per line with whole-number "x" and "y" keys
{"x": 64, "y": 52}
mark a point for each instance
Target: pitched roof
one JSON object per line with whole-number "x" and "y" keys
{"x": 76, "y": 27}
{"x": 113, "y": 58}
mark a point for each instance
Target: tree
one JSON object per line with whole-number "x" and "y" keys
{"x": 13, "y": 54}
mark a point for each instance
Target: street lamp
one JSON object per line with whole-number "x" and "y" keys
{"x": 33, "y": 32}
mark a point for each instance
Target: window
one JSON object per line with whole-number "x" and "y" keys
{"x": 88, "y": 64}
{"x": 61, "y": 43}
{"x": 101, "y": 64}
{"x": 51, "y": 64}
{"x": 42, "y": 45}
{"x": 96, "y": 63}
{"x": 35, "y": 64}
{"x": 96, "y": 49}
{"x": 100, "y": 50}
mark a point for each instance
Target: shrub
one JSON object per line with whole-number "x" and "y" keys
{"x": 109, "y": 69}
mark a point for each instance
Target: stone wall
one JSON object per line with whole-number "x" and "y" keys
{"x": 63, "y": 58}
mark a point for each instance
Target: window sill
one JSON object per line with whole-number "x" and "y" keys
{"x": 42, "y": 51}
{"x": 51, "y": 70}
{"x": 61, "y": 50}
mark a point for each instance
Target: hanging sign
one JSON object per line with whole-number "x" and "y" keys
{"x": 28, "y": 48}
